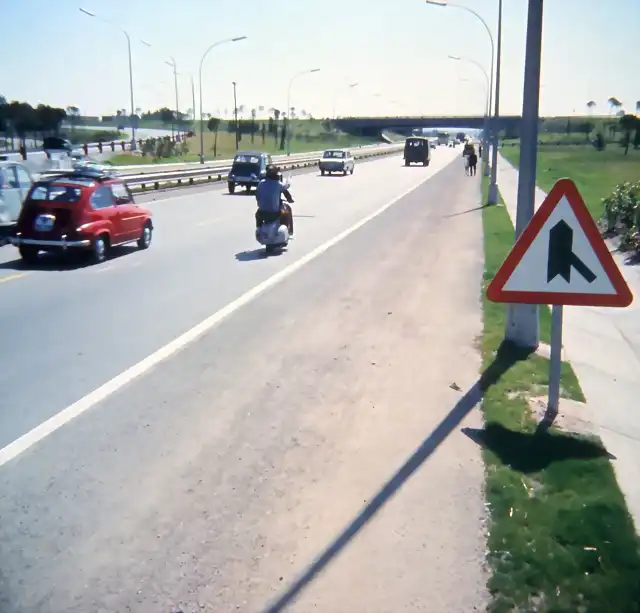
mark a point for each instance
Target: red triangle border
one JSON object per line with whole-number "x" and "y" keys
{"x": 563, "y": 187}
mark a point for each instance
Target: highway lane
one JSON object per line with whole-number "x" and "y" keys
{"x": 75, "y": 329}
{"x": 212, "y": 481}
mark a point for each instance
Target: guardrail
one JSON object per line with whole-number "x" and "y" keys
{"x": 219, "y": 172}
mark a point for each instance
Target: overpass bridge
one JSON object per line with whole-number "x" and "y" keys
{"x": 372, "y": 126}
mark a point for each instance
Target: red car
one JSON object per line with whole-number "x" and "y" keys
{"x": 87, "y": 209}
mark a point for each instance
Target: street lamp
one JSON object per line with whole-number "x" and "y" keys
{"x": 485, "y": 153}
{"x": 172, "y": 63}
{"x": 290, "y": 126}
{"x": 144, "y": 42}
{"x": 493, "y": 187}
{"x": 204, "y": 55}
{"x": 349, "y": 87}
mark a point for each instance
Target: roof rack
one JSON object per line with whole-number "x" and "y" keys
{"x": 86, "y": 172}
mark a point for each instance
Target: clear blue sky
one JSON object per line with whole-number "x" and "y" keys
{"x": 55, "y": 54}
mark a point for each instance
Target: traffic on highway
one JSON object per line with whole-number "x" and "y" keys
{"x": 300, "y": 314}
{"x": 96, "y": 333}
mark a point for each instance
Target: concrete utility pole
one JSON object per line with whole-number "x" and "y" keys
{"x": 523, "y": 325}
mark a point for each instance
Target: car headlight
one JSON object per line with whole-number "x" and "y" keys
{"x": 254, "y": 176}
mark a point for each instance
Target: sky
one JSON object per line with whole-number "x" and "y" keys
{"x": 397, "y": 52}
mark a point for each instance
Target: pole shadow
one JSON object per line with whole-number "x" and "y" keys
{"x": 475, "y": 208}
{"x": 506, "y": 357}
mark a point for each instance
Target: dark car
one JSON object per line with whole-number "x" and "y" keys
{"x": 55, "y": 143}
{"x": 248, "y": 169}
{"x": 86, "y": 209}
{"x": 417, "y": 150}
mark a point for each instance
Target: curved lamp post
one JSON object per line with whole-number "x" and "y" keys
{"x": 493, "y": 187}
{"x": 485, "y": 153}
{"x": 144, "y": 42}
{"x": 293, "y": 78}
{"x": 204, "y": 56}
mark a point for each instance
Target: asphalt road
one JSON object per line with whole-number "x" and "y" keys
{"x": 108, "y": 512}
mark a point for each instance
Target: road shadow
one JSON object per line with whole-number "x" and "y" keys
{"x": 55, "y": 262}
{"x": 244, "y": 192}
{"x": 632, "y": 259}
{"x": 531, "y": 452}
{"x": 475, "y": 208}
{"x": 255, "y": 254}
{"x": 506, "y": 357}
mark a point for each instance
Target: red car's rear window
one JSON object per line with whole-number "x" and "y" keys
{"x": 68, "y": 192}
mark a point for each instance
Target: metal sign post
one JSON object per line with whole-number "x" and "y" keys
{"x": 555, "y": 365}
{"x": 560, "y": 258}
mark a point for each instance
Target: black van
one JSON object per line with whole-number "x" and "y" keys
{"x": 55, "y": 143}
{"x": 417, "y": 151}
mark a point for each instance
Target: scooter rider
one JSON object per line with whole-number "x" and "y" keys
{"x": 269, "y": 197}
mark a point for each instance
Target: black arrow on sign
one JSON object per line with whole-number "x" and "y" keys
{"x": 561, "y": 256}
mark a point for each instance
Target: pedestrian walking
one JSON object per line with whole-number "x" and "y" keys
{"x": 473, "y": 163}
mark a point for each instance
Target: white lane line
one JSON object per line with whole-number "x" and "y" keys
{"x": 34, "y": 436}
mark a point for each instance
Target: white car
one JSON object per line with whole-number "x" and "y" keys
{"x": 15, "y": 183}
{"x": 336, "y": 160}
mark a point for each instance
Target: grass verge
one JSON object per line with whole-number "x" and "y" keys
{"x": 561, "y": 539}
{"x": 596, "y": 173}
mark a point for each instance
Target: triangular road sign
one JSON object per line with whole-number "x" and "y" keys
{"x": 561, "y": 258}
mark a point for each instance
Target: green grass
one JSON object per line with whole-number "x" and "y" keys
{"x": 81, "y": 135}
{"x": 596, "y": 173}
{"x": 308, "y": 139}
{"x": 552, "y": 496}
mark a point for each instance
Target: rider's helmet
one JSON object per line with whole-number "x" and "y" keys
{"x": 273, "y": 172}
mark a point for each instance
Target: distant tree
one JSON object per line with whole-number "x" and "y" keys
{"x": 628, "y": 123}
{"x": 73, "y": 112}
{"x": 264, "y": 132}
{"x": 283, "y": 132}
{"x": 3, "y": 114}
{"x": 587, "y": 127}
{"x": 213, "y": 125}
{"x": 254, "y": 126}
{"x": 614, "y": 104}
{"x": 638, "y": 106}
{"x": 591, "y": 105}
{"x": 167, "y": 116}
{"x": 276, "y": 118}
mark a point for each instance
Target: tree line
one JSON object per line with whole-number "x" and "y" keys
{"x": 20, "y": 119}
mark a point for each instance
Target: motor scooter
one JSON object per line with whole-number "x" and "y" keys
{"x": 274, "y": 235}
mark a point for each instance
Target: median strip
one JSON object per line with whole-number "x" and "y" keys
{"x": 187, "y": 177}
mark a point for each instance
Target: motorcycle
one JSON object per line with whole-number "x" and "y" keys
{"x": 274, "y": 235}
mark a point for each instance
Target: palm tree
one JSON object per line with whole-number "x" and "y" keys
{"x": 73, "y": 112}
{"x": 614, "y": 104}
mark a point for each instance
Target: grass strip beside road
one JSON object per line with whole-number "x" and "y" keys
{"x": 596, "y": 173}
{"x": 226, "y": 147}
{"x": 561, "y": 539}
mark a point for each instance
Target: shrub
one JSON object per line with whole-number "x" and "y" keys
{"x": 622, "y": 215}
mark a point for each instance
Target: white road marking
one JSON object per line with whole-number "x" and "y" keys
{"x": 40, "y": 432}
